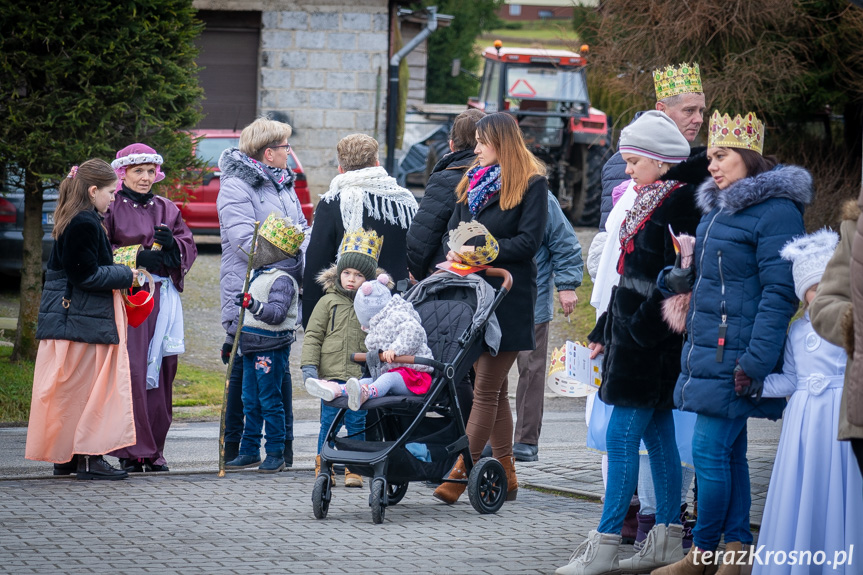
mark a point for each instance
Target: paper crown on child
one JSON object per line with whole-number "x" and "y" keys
{"x": 473, "y": 255}
{"x": 746, "y": 133}
{"x": 809, "y": 255}
{"x": 671, "y": 81}
{"x": 362, "y": 242}
{"x": 283, "y": 233}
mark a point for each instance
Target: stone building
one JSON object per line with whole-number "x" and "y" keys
{"x": 319, "y": 65}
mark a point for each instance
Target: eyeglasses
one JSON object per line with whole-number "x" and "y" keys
{"x": 287, "y": 147}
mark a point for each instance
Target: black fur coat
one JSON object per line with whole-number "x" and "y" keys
{"x": 642, "y": 355}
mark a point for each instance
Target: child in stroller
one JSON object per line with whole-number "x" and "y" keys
{"x": 394, "y": 329}
{"x": 423, "y": 435}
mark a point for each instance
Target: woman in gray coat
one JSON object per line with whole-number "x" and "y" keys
{"x": 255, "y": 182}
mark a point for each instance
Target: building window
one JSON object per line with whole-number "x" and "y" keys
{"x": 515, "y": 9}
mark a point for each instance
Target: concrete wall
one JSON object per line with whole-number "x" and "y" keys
{"x": 319, "y": 64}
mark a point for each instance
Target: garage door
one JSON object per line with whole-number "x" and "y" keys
{"x": 228, "y": 54}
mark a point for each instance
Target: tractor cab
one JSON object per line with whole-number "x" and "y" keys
{"x": 546, "y": 91}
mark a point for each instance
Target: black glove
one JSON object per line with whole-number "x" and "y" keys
{"x": 150, "y": 260}
{"x": 164, "y": 236}
{"x": 745, "y": 386}
{"x": 226, "y": 352}
{"x": 680, "y": 280}
{"x": 247, "y": 301}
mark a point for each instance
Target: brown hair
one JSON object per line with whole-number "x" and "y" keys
{"x": 74, "y": 195}
{"x": 517, "y": 164}
{"x": 463, "y": 131}
{"x": 357, "y": 151}
{"x": 755, "y": 163}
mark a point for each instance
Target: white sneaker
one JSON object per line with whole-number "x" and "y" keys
{"x": 597, "y": 555}
{"x": 326, "y": 390}
{"x": 357, "y": 392}
{"x": 663, "y": 546}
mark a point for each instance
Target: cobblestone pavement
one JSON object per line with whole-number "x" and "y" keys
{"x": 252, "y": 523}
{"x": 191, "y": 521}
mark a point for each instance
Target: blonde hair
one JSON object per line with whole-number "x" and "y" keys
{"x": 517, "y": 164}
{"x": 262, "y": 134}
{"x": 357, "y": 151}
{"x": 74, "y": 195}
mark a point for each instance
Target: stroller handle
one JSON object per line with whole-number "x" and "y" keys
{"x": 501, "y": 273}
{"x": 361, "y": 358}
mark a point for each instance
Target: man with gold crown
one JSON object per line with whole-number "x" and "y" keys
{"x": 679, "y": 93}
{"x": 265, "y": 342}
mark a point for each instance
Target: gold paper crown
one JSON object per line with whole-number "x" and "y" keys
{"x": 362, "y": 242}
{"x": 282, "y": 233}
{"x": 672, "y": 81}
{"x": 558, "y": 360}
{"x": 479, "y": 255}
{"x": 746, "y": 133}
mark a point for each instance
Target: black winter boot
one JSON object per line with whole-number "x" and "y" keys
{"x": 289, "y": 453}
{"x": 95, "y": 467}
{"x": 67, "y": 468}
{"x": 232, "y": 450}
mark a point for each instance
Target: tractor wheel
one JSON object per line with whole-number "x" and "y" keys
{"x": 592, "y": 194}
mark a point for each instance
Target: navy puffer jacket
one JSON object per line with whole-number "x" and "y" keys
{"x": 737, "y": 250}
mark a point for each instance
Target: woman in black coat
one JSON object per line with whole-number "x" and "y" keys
{"x": 424, "y": 239}
{"x": 507, "y": 192}
{"x": 642, "y": 353}
{"x": 82, "y": 390}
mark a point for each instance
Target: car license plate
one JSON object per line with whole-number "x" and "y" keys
{"x": 47, "y": 219}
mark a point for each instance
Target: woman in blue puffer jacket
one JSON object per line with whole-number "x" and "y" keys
{"x": 742, "y": 300}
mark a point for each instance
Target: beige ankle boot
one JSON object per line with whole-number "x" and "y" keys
{"x": 596, "y": 555}
{"x": 736, "y": 560}
{"x": 696, "y": 562}
{"x": 663, "y": 546}
{"x": 450, "y": 492}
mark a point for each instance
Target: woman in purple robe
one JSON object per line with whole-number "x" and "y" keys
{"x": 154, "y": 228}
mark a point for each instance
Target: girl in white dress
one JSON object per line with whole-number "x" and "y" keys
{"x": 813, "y": 503}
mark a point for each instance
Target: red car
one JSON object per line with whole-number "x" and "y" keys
{"x": 199, "y": 210}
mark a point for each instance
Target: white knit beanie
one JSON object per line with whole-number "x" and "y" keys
{"x": 654, "y": 135}
{"x": 809, "y": 256}
{"x": 371, "y": 298}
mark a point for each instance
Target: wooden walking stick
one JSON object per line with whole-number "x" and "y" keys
{"x": 251, "y": 254}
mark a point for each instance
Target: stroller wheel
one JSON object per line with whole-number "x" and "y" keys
{"x": 486, "y": 485}
{"x": 396, "y": 492}
{"x": 321, "y": 495}
{"x": 376, "y": 501}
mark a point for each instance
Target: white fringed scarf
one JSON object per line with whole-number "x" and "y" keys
{"x": 375, "y": 190}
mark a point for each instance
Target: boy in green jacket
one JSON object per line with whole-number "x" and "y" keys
{"x": 333, "y": 334}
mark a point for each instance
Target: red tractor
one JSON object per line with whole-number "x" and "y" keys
{"x": 546, "y": 91}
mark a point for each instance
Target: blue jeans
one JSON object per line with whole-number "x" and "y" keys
{"x": 354, "y": 420}
{"x": 627, "y": 427}
{"x": 263, "y": 373}
{"x": 234, "y": 409}
{"x": 724, "y": 497}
